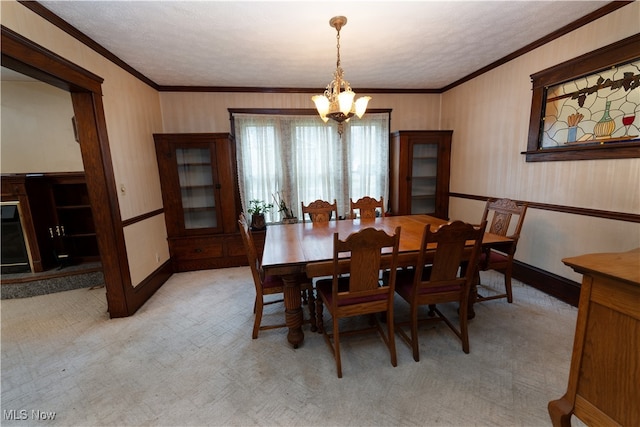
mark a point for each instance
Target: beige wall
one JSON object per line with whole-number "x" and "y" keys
{"x": 132, "y": 111}
{"x": 37, "y": 134}
{"x": 490, "y": 118}
{"x": 208, "y": 112}
{"x": 149, "y": 246}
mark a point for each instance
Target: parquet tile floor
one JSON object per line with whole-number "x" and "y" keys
{"x": 186, "y": 358}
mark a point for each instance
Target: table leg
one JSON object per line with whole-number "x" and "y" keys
{"x": 293, "y": 309}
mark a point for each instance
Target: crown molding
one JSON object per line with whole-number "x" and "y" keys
{"x": 593, "y": 16}
{"x": 45, "y": 13}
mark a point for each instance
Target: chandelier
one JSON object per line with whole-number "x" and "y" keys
{"x": 337, "y": 102}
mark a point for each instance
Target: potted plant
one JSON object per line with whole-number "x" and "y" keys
{"x": 287, "y": 214}
{"x": 257, "y": 209}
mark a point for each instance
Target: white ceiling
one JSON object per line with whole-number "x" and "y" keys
{"x": 289, "y": 44}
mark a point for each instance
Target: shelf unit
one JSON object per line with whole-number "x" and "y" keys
{"x": 197, "y": 173}
{"x": 420, "y": 166}
{"x": 74, "y": 220}
{"x": 201, "y": 200}
{"x": 57, "y": 215}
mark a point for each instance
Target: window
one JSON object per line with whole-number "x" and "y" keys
{"x": 596, "y": 78}
{"x": 303, "y": 159}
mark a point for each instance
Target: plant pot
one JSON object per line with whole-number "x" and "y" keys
{"x": 258, "y": 222}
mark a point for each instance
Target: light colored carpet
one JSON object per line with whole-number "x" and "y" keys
{"x": 187, "y": 358}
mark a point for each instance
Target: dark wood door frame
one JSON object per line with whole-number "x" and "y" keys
{"x": 24, "y": 56}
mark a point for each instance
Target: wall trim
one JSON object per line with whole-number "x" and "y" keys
{"x": 559, "y": 287}
{"x": 140, "y": 218}
{"x": 142, "y": 292}
{"x": 79, "y": 79}
{"x": 597, "y": 213}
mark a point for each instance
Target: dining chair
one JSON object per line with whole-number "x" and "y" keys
{"x": 266, "y": 284}
{"x": 367, "y": 207}
{"x": 500, "y": 258}
{"x": 320, "y": 211}
{"x": 361, "y": 291}
{"x": 441, "y": 275}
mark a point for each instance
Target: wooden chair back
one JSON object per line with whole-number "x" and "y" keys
{"x": 366, "y": 248}
{"x": 367, "y": 207}
{"x": 361, "y": 292}
{"x": 269, "y": 285}
{"x": 450, "y": 272}
{"x": 320, "y": 211}
{"x": 452, "y": 251}
{"x": 501, "y": 212}
{"x": 500, "y": 258}
{"x": 252, "y": 253}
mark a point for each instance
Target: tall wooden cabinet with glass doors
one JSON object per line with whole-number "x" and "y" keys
{"x": 201, "y": 202}
{"x": 420, "y": 167}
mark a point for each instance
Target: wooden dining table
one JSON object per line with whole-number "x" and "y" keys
{"x": 307, "y": 248}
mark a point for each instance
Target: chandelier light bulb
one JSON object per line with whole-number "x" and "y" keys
{"x": 345, "y": 100}
{"x": 322, "y": 104}
{"x": 361, "y": 105}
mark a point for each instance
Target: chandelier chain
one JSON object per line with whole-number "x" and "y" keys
{"x": 338, "y": 48}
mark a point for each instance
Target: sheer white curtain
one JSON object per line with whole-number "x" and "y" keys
{"x": 304, "y": 159}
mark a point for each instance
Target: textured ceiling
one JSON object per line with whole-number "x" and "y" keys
{"x": 392, "y": 45}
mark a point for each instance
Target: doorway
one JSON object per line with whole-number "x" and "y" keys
{"x": 42, "y": 170}
{"x": 26, "y": 57}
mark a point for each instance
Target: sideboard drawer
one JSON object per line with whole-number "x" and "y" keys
{"x": 210, "y": 251}
{"x": 235, "y": 246}
{"x": 197, "y": 248}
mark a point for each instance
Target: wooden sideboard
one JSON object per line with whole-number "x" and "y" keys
{"x": 604, "y": 381}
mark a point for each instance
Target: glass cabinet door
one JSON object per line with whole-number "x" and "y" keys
{"x": 424, "y": 178}
{"x": 197, "y": 189}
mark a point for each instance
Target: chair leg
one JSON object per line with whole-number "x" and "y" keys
{"x": 336, "y": 346}
{"x": 372, "y": 319}
{"x": 391, "y": 338}
{"x": 432, "y": 310}
{"x": 507, "y": 284}
{"x": 414, "y": 332}
{"x": 259, "y": 304}
{"x": 464, "y": 330}
{"x": 319, "y": 319}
